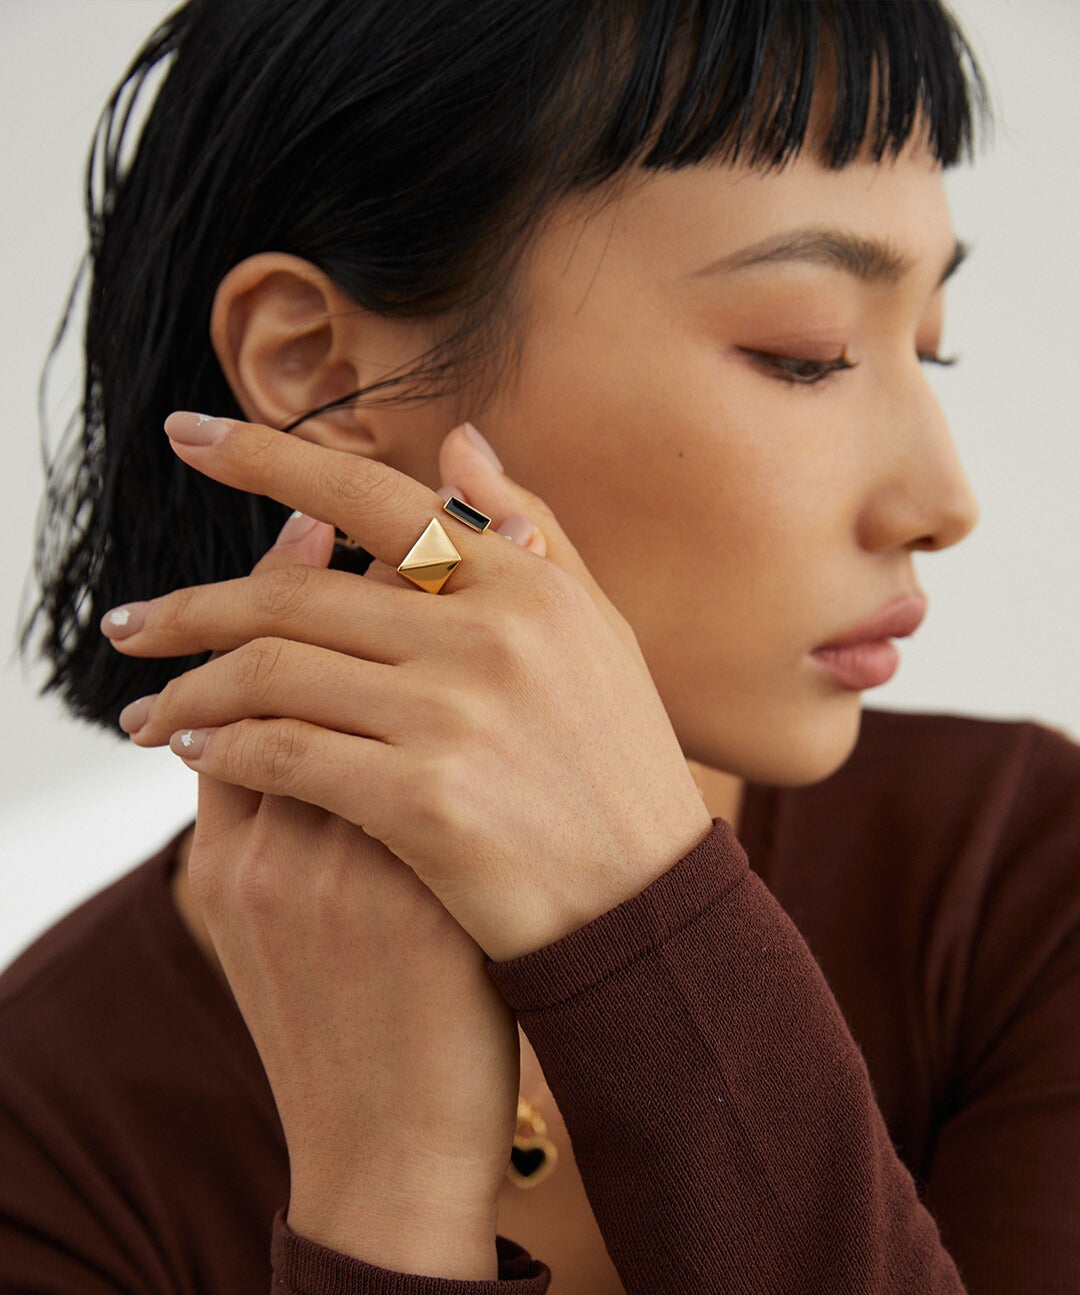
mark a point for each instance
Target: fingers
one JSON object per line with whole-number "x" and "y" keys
{"x": 275, "y": 677}
{"x": 302, "y": 541}
{"x": 336, "y": 610}
{"x": 221, "y": 807}
{"x": 380, "y": 508}
{"x": 285, "y": 757}
{"x": 485, "y": 487}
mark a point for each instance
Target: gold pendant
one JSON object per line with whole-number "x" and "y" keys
{"x": 534, "y": 1155}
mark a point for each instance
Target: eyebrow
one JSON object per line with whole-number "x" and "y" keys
{"x": 869, "y": 259}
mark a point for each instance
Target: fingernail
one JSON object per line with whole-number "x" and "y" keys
{"x": 124, "y": 621}
{"x": 135, "y": 714}
{"x": 482, "y": 445}
{"x": 195, "y": 429}
{"x": 444, "y": 492}
{"x": 188, "y": 744}
{"x": 517, "y": 528}
{"x": 295, "y": 528}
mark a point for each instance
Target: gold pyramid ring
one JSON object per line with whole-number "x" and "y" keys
{"x": 432, "y": 559}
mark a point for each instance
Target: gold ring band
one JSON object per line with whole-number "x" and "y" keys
{"x": 432, "y": 559}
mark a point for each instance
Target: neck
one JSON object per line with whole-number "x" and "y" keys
{"x": 722, "y": 792}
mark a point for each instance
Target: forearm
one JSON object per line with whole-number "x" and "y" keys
{"x": 722, "y": 1118}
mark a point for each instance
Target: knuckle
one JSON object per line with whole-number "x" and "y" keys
{"x": 559, "y": 594}
{"x": 440, "y": 795}
{"x": 255, "y": 887}
{"x": 262, "y": 443}
{"x": 281, "y": 593}
{"x": 511, "y": 640}
{"x": 328, "y": 890}
{"x": 281, "y": 749}
{"x": 353, "y": 481}
{"x": 173, "y": 611}
{"x": 261, "y": 753}
{"x": 440, "y": 706}
{"x": 168, "y": 699}
{"x": 253, "y": 665}
{"x": 507, "y": 640}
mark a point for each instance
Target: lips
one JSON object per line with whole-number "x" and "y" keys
{"x": 898, "y": 619}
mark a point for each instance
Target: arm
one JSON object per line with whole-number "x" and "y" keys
{"x": 51, "y": 1241}
{"x": 67, "y": 1229}
{"x": 721, "y": 1114}
{"x": 1004, "y": 1183}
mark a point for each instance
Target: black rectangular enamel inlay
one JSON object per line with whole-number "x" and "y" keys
{"x": 465, "y": 513}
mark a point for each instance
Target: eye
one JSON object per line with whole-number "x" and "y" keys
{"x": 794, "y": 371}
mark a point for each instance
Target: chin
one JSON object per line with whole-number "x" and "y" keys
{"x": 781, "y": 746}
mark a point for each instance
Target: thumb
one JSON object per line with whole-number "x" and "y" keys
{"x": 466, "y": 461}
{"x": 470, "y": 466}
{"x": 302, "y": 541}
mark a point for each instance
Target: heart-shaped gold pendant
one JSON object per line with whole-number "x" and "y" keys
{"x": 531, "y": 1161}
{"x": 534, "y": 1156}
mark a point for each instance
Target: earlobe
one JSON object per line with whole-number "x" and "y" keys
{"x": 281, "y": 330}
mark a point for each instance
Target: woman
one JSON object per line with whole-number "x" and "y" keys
{"x": 452, "y": 888}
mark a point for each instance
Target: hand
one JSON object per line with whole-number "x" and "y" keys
{"x": 504, "y": 739}
{"x": 392, "y": 1058}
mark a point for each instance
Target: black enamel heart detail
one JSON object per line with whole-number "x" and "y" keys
{"x": 527, "y": 1161}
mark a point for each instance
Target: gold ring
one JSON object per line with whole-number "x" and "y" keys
{"x": 433, "y": 558}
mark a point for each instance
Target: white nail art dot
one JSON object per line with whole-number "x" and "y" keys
{"x": 120, "y": 617}
{"x": 186, "y": 739}
{"x": 204, "y": 418}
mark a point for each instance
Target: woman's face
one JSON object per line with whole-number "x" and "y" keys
{"x": 737, "y": 517}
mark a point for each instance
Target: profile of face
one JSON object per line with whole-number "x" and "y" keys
{"x": 744, "y": 447}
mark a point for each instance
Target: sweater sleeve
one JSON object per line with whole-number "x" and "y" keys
{"x": 304, "y": 1267}
{"x": 65, "y": 1230}
{"x": 722, "y": 1116}
{"x": 1004, "y": 1181}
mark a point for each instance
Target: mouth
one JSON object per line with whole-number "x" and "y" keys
{"x": 864, "y": 665}
{"x": 896, "y": 620}
{"x": 863, "y": 656}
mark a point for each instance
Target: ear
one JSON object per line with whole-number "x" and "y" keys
{"x": 288, "y": 339}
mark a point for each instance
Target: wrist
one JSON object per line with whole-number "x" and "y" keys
{"x": 545, "y": 921}
{"x": 404, "y": 1232}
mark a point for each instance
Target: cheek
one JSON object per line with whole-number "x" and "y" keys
{"x": 693, "y": 495}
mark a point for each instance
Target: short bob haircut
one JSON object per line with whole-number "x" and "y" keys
{"x": 408, "y": 148}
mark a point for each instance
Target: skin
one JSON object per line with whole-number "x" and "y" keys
{"x": 695, "y": 482}
{"x": 395, "y": 744}
{"x": 689, "y": 479}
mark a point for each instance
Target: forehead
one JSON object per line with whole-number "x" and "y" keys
{"x": 675, "y": 222}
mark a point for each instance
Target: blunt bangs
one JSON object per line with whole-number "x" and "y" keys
{"x": 734, "y": 82}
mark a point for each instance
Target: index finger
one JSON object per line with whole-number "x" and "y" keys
{"x": 382, "y": 509}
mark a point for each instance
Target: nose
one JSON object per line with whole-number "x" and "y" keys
{"x": 921, "y": 497}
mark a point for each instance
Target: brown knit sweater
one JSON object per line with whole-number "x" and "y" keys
{"x": 842, "y": 1053}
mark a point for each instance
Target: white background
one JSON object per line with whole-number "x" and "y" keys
{"x": 78, "y": 806}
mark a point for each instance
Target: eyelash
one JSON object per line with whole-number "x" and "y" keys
{"x": 774, "y": 365}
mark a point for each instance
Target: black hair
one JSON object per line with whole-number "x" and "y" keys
{"x": 407, "y": 148}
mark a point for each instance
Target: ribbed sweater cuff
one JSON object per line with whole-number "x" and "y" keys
{"x": 581, "y": 959}
{"x": 304, "y": 1267}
